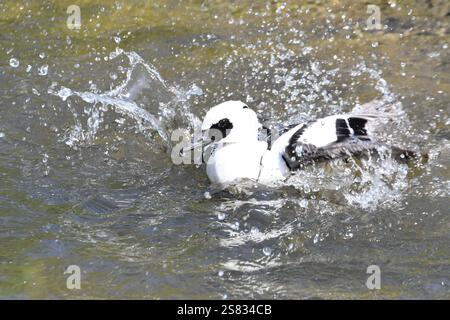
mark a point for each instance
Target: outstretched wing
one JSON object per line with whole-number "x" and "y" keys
{"x": 327, "y": 138}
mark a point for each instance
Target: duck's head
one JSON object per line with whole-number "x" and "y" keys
{"x": 230, "y": 122}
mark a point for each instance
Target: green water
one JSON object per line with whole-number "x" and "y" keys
{"x": 87, "y": 180}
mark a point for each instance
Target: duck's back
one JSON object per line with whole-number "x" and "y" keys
{"x": 325, "y": 138}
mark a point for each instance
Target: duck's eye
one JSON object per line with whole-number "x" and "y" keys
{"x": 225, "y": 123}
{"x": 220, "y": 129}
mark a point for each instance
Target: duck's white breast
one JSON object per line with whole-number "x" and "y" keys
{"x": 235, "y": 161}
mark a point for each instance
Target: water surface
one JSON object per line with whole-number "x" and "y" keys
{"x": 86, "y": 176}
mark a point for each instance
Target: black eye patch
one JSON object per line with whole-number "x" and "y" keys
{"x": 220, "y": 129}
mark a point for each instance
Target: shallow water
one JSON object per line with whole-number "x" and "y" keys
{"x": 87, "y": 178}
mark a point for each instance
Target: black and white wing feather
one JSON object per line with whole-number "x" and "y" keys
{"x": 325, "y": 139}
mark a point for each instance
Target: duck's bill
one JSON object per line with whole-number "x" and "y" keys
{"x": 196, "y": 145}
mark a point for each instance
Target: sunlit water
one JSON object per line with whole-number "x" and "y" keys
{"x": 85, "y": 143}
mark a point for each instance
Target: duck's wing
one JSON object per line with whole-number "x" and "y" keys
{"x": 325, "y": 139}
{"x": 266, "y": 133}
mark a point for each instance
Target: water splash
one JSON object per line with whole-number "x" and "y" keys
{"x": 123, "y": 98}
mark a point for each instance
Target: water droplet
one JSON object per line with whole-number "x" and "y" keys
{"x": 254, "y": 230}
{"x": 43, "y": 70}
{"x": 195, "y": 90}
{"x": 267, "y": 251}
{"x": 348, "y": 235}
{"x": 434, "y": 54}
{"x": 303, "y": 203}
{"x": 235, "y": 226}
{"x": 316, "y": 238}
{"x": 221, "y": 216}
{"x": 307, "y": 50}
{"x": 64, "y": 93}
{"x": 375, "y": 44}
{"x": 13, "y": 62}
{"x": 220, "y": 273}
{"x": 207, "y": 195}
{"x": 115, "y": 53}
{"x": 113, "y": 76}
{"x": 117, "y": 40}
{"x": 42, "y": 55}
{"x": 2, "y": 135}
